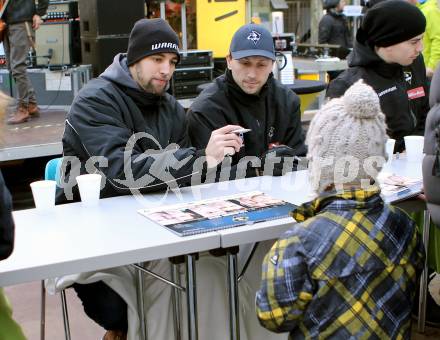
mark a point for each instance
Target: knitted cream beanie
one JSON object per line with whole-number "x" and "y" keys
{"x": 346, "y": 140}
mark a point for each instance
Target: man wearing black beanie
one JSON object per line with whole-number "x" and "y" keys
{"x": 387, "y": 55}
{"x": 127, "y": 102}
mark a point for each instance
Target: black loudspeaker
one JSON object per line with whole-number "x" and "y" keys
{"x": 109, "y": 17}
{"x": 100, "y": 51}
{"x": 58, "y": 43}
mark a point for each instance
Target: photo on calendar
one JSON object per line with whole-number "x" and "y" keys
{"x": 219, "y": 213}
{"x": 395, "y": 188}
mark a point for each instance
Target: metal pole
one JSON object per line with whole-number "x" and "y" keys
{"x": 42, "y": 311}
{"x": 184, "y": 34}
{"x": 177, "y": 306}
{"x": 424, "y": 276}
{"x": 234, "y": 321}
{"x": 191, "y": 297}
{"x": 162, "y": 10}
{"x": 157, "y": 276}
{"x": 65, "y": 314}
{"x": 356, "y": 20}
{"x": 140, "y": 301}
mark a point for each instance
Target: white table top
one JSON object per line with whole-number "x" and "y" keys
{"x": 73, "y": 239}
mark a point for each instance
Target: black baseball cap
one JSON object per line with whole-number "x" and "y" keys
{"x": 252, "y": 40}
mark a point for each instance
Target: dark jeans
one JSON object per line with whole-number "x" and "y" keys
{"x": 103, "y": 305}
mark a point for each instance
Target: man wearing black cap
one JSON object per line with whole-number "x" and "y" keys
{"x": 386, "y": 55}
{"x": 248, "y": 95}
{"x": 126, "y": 101}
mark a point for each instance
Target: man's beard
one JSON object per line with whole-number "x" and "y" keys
{"x": 148, "y": 86}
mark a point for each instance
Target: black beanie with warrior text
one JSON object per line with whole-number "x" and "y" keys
{"x": 391, "y": 22}
{"x": 151, "y": 36}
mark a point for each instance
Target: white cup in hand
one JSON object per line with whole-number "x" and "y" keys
{"x": 414, "y": 148}
{"x": 89, "y": 188}
{"x": 389, "y": 148}
{"x": 44, "y": 194}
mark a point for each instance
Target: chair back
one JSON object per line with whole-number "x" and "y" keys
{"x": 52, "y": 170}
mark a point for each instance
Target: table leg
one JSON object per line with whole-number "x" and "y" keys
{"x": 424, "y": 276}
{"x": 175, "y": 277}
{"x": 321, "y": 96}
{"x": 65, "y": 315}
{"x": 140, "y": 301}
{"x": 42, "y": 311}
{"x": 234, "y": 321}
{"x": 191, "y": 296}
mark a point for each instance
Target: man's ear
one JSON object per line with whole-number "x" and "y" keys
{"x": 229, "y": 59}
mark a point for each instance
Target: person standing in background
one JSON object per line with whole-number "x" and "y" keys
{"x": 333, "y": 29}
{"x": 431, "y": 39}
{"x": 23, "y": 18}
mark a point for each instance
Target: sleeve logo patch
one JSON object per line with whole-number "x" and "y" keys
{"x": 418, "y": 92}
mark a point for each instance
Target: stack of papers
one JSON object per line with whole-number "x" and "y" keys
{"x": 219, "y": 213}
{"x": 396, "y": 188}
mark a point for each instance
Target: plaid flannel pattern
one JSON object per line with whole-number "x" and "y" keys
{"x": 348, "y": 270}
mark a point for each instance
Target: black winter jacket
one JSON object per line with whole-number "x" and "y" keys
{"x": 391, "y": 82}
{"x": 6, "y": 222}
{"x": 333, "y": 29}
{"x": 431, "y": 161}
{"x": 273, "y": 116}
{"x": 23, "y": 10}
{"x": 106, "y": 114}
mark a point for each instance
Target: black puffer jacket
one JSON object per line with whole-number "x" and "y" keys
{"x": 431, "y": 161}
{"x": 6, "y": 222}
{"x": 23, "y": 10}
{"x": 333, "y": 29}
{"x": 273, "y": 116}
{"x": 106, "y": 114}
{"x": 391, "y": 82}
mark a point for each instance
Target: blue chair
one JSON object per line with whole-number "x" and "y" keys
{"x": 52, "y": 172}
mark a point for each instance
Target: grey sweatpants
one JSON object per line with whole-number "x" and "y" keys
{"x": 16, "y": 44}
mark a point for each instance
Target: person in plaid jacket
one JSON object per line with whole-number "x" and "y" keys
{"x": 348, "y": 268}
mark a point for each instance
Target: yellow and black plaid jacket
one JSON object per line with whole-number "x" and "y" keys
{"x": 347, "y": 271}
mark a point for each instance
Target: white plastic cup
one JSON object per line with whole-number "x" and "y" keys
{"x": 389, "y": 148}
{"x": 89, "y": 188}
{"x": 414, "y": 148}
{"x": 44, "y": 194}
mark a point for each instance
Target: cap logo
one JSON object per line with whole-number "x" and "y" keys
{"x": 164, "y": 45}
{"x": 254, "y": 36}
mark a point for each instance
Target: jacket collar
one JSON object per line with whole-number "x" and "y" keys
{"x": 354, "y": 198}
{"x": 236, "y": 91}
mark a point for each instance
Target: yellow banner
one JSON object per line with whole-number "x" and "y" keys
{"x": 217, "y": 21}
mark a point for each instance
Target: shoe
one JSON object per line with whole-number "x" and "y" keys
{"x": 34, "y": 110}
{"x": 115, "y": 335}
{"x": 19, "y": 116}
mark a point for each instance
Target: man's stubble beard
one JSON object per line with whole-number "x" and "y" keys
{"x": 147, "y": 86}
